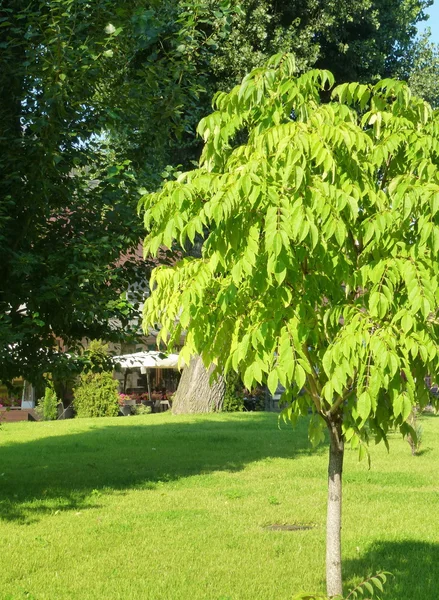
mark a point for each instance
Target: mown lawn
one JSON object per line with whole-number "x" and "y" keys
{"x": 162, "y": 507}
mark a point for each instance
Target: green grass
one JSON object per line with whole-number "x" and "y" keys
{"x": 162, "y": 508}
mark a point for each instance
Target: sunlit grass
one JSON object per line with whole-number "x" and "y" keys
{"x": 162, "y": 507}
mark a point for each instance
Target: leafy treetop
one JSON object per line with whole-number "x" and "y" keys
{"x": 319, "y": 270}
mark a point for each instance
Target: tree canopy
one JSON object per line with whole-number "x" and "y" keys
{"x": 423, "y": 76}
{"x": 332, "y": 207}
{"x": 95, "y": 100}
{"x": 82, "y": 87}
{"x": 319, "y": 271}
{"x": 217, "y": 43}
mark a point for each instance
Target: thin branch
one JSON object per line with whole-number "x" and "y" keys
{"x": 340, "y": 401}
{"x": 315, "y": 376}
{"x": 314, "y": 382}
{"x": 386, "y": 172}
{"x": 314, "y": 394}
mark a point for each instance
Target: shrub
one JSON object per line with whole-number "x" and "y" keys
{"x": 233, "y": 398}
{"x": 96, "y": 395}
{"x": 140, "y": 409}
{"x": 47, "y": 408}
{"x": 233, "y": 402}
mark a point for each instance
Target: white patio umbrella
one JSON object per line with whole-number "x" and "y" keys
{"x": 148, "y": 360}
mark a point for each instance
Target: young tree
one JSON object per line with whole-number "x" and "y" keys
{"x": 319, "y": 271}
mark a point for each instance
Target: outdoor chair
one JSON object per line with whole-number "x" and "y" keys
{"x": 165, "y": 402}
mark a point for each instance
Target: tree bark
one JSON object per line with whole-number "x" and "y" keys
{"x": 334, "y": 583}
{"x": 195, "y": 394}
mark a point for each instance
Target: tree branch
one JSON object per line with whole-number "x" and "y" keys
{"x": 310, "y": 362}
{"x": 342, "y": 398}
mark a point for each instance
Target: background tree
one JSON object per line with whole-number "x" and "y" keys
{"x": 67, "y": 207}
{"x": 219, "y": 42}
{"x": 423, "y": 77}
{"x": 319, "y": 271}
{"x": 69, "y": 228}
{"x": 91, "y": 103}
{"x": 196, "y": 392}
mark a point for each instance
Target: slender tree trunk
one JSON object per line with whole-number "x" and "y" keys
{"x": 194, "y": 393}
{"x": 334, "y": 584}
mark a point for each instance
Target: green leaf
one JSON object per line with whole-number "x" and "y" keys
{"x": 340, "y": 233}
{"x": 407, "y": 322}
{"x": 249, "y": 377}
{"x": 377, "y": 583}
{"x": 299, "y": 376}
{"x": 272, "y": 382}
{"x": 369, "y": 587}
{"x": 364, "y": 406}
{"x": 406, "y": 407}
{"x": 363, "y": 453}
{"x": 277, "y": 244}
{"x": 398, "y": 405}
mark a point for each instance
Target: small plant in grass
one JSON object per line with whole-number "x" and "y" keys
{"x": 415, "y": 438}
{"x": 366, "y": 590}
{"x": 96, "y": 395}
{"x": 47, "y": 407}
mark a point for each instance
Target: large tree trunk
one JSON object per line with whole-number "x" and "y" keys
{"x": 334, "y": 584}
{"x": 194, "y": 393}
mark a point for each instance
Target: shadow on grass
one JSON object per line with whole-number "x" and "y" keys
{"x": 69, "y": 472}
{"x": 414, "y": 565}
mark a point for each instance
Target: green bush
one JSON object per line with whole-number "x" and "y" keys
{"x": 233, "y": 397}
{"x": 96, "y": 395}
{"x": 232, "y": 402}
{"x": 140, "y": 409}
{"x": 47, "y": 407}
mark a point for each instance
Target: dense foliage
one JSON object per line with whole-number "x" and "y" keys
{"x": 322, "y": 244}
{"x": 234, "y": 394}
{"x": 67, "y": 210}
{"x": 95, "y": 100}
{"x": 424, "y": 70}
{"x": 96, "y": 395}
